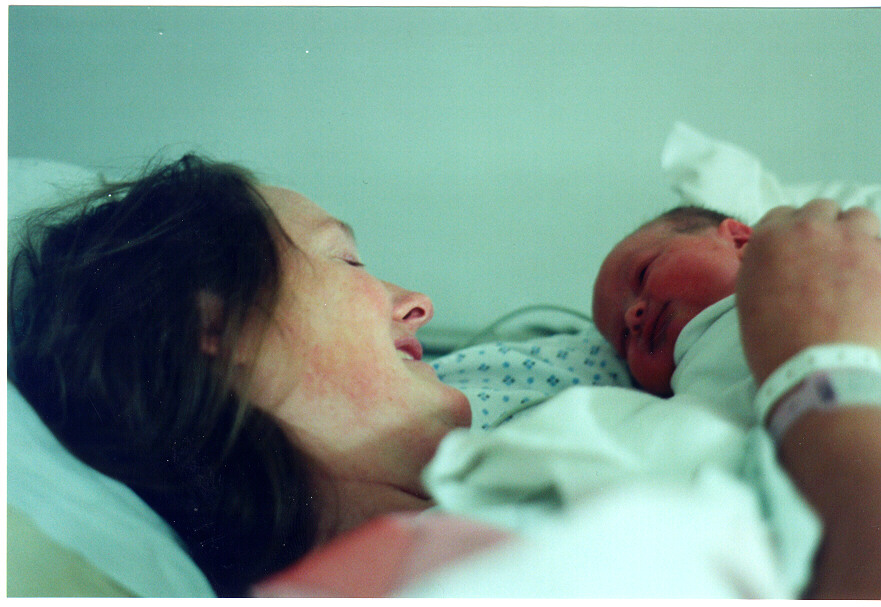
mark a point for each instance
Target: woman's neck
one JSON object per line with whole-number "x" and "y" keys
{"x": 347, "y": 504}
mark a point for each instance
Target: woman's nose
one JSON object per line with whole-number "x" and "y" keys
{"x": 633, "y": 316}
{"x": 410, "y": 307}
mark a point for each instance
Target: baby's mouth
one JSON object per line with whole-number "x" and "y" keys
{"x": 659, "y": 328}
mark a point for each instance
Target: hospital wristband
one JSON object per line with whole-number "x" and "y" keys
{"x": 823, "y": 391}
{"x": 831, "y": 375}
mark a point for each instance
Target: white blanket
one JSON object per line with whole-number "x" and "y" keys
{"x": 587, "y": 443}
{"x": 700, "y": 539}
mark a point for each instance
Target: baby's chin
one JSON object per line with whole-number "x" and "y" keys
{"x": 656, "y": 380}
{"x": 664, "y": 391}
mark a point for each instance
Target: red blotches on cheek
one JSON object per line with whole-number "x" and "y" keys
{"x": 339, "y": 374}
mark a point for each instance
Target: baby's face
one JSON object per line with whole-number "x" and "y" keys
{"x": 654, "y": 282}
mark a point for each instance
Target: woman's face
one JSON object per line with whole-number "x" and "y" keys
{"x": 340, "y": 365}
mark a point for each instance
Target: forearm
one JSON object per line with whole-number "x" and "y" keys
{"x": 834, "y": 458}
{"x": 811, "y": 277}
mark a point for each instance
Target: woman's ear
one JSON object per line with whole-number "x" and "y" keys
{"x": 211, "y": 319}
{"x": 736, "y": 232}
{"x": 212, "y": 315}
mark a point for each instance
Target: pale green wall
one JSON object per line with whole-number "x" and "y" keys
{"x": 485, "y": 156}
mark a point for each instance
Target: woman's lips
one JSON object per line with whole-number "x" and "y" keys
{"x": 409, "y": 348}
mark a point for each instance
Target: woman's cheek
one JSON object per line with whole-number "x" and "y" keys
{"x": 347, "y": 376}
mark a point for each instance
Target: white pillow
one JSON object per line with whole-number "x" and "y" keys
{"x": 34, "y": 183}
{"x": 727, "y": 178}
{"x": 92, "y": 514}
{"x": 73, "y": 504}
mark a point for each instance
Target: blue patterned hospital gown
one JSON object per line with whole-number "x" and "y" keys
{"x": 503, "y": 378}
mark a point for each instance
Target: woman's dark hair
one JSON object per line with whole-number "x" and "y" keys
{"x": 104, "y": 342}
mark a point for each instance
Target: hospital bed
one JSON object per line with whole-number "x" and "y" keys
{"x": 74, "y": 531}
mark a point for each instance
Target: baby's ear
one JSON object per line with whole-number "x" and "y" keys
{"x": 736, "y": 232}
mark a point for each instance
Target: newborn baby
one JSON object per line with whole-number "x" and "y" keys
{"x": 659, "y": 278}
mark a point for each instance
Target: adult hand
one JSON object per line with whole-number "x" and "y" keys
{"x": 809, "y": 276}
{"x": 813, "y": 276}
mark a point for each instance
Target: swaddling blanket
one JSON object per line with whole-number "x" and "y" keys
{"x": 587, "y": 441}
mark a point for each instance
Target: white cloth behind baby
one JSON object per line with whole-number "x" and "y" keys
{"x": 723, "y": 176}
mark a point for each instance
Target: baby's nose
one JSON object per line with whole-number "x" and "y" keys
{"x": 633, "y": 316}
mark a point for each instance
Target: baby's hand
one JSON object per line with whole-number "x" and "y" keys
{"x": 809, "y": 276}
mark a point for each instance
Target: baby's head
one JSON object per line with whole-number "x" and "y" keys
{"x": 659, "y": 278}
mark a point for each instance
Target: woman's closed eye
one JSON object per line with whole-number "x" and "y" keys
{"x": 352, "y": 260}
